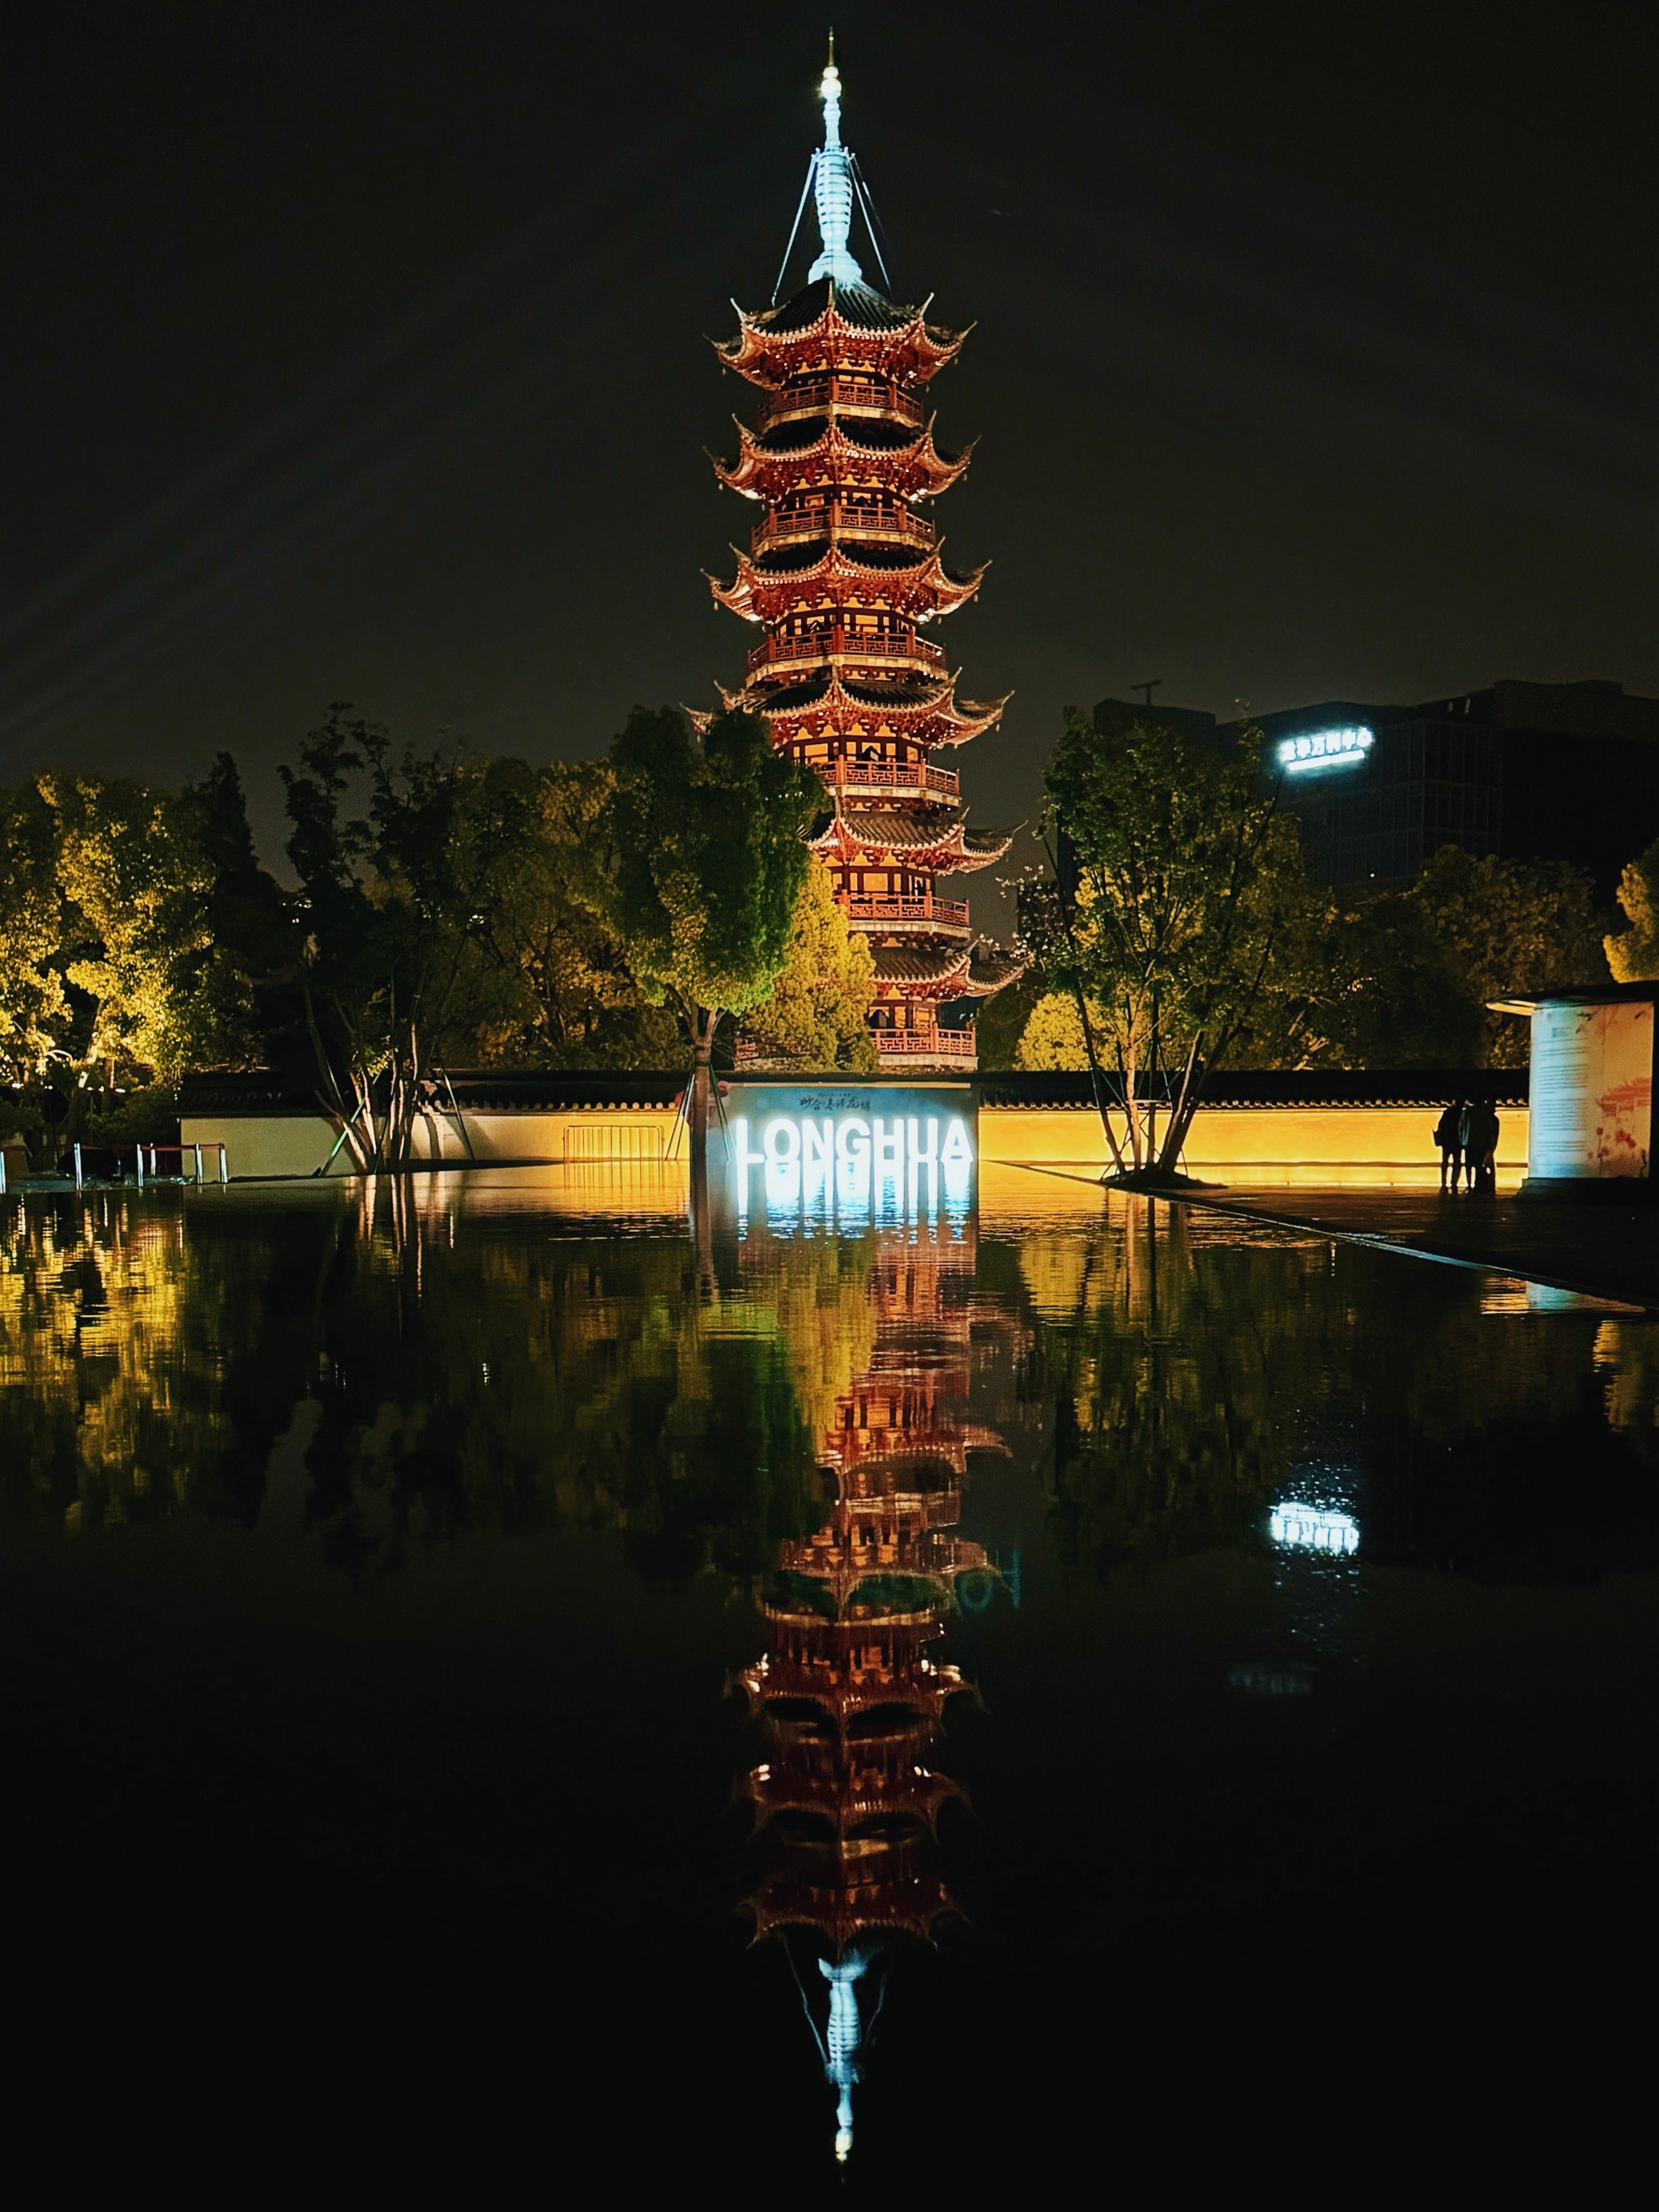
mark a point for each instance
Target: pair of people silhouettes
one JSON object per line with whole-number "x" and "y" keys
{"x": 1466, "y": 1135}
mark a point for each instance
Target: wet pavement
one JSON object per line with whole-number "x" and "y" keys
{"x": 1601, "y": 1250}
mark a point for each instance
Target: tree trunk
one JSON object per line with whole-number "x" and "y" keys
{"x": 1096, "y": 1080}
{"x": 699, "y": 1110}
{"x": 700, "y": 1105}
{"x": 1181, "y": 1111}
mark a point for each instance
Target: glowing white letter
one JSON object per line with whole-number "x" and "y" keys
{"x": 852, "y": 1140}
{"x": 917, "y": 1156}
{"x": 887, "y": 1150}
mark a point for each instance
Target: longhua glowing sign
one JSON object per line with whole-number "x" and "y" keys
{"x": 850, "y": 1151}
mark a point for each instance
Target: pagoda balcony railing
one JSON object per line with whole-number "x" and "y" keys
{"x": 813, "y": 393}
{"x": 843, "y": 645}
{"x": 933, "y": 1044}
{"x": 928, "y": 912}
{"x": 849, "y": 521}
{"x": 843, "y": 774}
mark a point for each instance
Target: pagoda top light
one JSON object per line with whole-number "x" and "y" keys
{"x": 833, "y": 189}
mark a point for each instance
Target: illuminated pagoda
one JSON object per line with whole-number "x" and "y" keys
{"x": 849, "y": 1693}
{"x": 843, "y": 574}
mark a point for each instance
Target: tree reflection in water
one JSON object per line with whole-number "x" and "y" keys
{"x": 1205, "y": 1372}
{"x": 159, "y": 1354}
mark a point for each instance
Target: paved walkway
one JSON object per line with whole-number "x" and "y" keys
{"x": 1606, "y": 1251}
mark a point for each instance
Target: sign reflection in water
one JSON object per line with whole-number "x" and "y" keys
{"x": 1315, "y": 1534}
{"x": 1296, "y": 1527}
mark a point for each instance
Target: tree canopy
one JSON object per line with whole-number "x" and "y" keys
{"x": 704, "y": 867}
{"x": 815, "y": 1015}
{"x": 1190, "y": 897}
{"x": 400, "y": 856}
{"x": 1192, "y": 936}
{"x": 1633, "y": 953}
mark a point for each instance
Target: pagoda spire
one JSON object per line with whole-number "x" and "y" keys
{"x": 832, "y": 187}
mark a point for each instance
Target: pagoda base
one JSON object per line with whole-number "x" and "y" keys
{"x": 906, "y": 1049}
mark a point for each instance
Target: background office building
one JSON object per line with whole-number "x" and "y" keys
{"x": 1531, "y": 771}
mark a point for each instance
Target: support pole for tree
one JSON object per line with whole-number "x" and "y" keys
{"x": 345, "y": 1131}
{"x": 1096, "y": 1080}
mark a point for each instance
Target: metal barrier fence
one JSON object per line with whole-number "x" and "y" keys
{"x": 614, "y": 1140}
{"x": 147, "y": 1162}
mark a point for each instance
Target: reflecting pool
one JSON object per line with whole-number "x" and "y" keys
{"x": 999, "y": 1690}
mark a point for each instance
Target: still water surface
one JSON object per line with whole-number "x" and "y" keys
{"x": 1056, "y": 1693}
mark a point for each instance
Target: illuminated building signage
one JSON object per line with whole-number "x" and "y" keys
{"x": 1322, "y": 749}
{"x": 904, "y": 1152}
{"x": 1297, "y": 1527}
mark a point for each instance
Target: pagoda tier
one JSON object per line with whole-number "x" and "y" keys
{"x": 842, "y": 576}
{"x": 841, "y": 333}
{"x": 849, "y": 1784}
{"x": 823, "y": 452}
{"x": 934, "y": 840}
{"x": 810, "y": 1676}
{"x": 860, "y": 1890}
{"x": 844, "y": 691}
{"x": 848, "y": 578}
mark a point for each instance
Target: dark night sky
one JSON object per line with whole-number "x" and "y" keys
{"x": 358, "y": 352}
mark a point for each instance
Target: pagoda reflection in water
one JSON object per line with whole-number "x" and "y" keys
{"x": 851, "y": 1690}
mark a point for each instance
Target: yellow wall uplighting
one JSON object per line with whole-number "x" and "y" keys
{"x": 1376, "y": 1145}
{"x": 1273, "y": 1145}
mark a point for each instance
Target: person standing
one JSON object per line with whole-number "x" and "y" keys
{"x": 1477, "y": 1132}
{"x": 1484, "y": 1172}
{"x": 1447, "y": 1135}
{"x": 1469, "y": 1133}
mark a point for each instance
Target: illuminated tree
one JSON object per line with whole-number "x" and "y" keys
{"x": 555, "y": 988}
{"x": 34, "y": 1013}
{"x": 1633, "y": 954}
{"x": 133, "y": 879}
{"x": 1052, "y": 1037}
{"x": 705, "y": 864}
{"x": 1507, "y": 928}
{"x": 1190, "y": 898}
{"x": 817, "y": 1016}
{"x": 394, "y": 900}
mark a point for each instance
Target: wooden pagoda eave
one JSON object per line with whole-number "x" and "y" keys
{"x": 841, "y": 1918}
{"x": 921, "y": 590}
{"x": 914, "y": 353}
{"x": 857, "y": 840}
{"x": 948, "y": 983}
{"x": 922, "y": 1803}
{"x": 915, "y": 470}
{"x": 938, "y": 717}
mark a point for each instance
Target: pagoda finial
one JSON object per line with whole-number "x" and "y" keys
{"x": 832, "y": 187}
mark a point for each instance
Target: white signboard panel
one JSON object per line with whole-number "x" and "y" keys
{"x": 1592, "y": 1090}
{"x": 850, "y": 1151}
